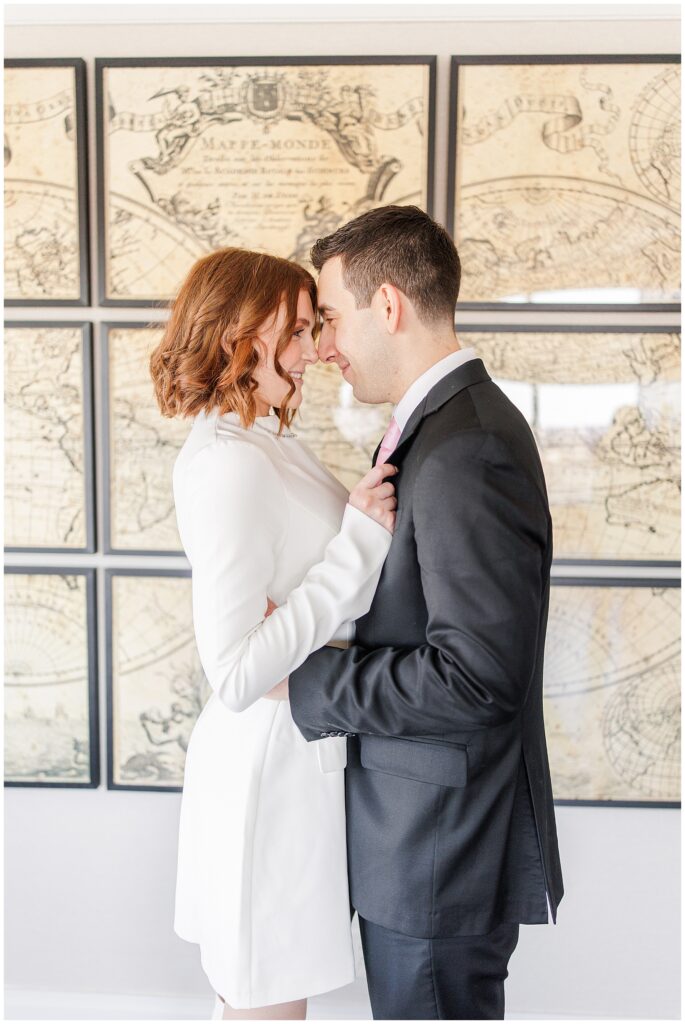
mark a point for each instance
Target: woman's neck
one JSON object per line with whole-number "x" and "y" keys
{"x": 262, "y": 408}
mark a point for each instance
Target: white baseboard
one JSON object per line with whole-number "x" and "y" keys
{"x": 24, "y": 1004}
{"x": 349, "y": 1003}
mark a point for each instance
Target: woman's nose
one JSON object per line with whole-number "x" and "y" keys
{"x": 309, "y": 353}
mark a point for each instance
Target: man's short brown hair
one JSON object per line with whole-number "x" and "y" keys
{"x": 401, "y": 246}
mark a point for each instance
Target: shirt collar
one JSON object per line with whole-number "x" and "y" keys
{"x": 417, "y": 391}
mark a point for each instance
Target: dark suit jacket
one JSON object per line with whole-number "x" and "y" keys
{"x": 450, "y": 818}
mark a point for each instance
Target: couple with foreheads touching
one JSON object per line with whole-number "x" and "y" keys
{"x": 374, "y": 739}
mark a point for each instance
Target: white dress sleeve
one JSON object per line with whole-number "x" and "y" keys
{"x": 234, "y": 502}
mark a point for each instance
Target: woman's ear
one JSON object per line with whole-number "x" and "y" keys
{"x": 262, "y": 349}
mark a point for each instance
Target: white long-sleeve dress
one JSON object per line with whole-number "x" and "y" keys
{"x": 262, "y": 866}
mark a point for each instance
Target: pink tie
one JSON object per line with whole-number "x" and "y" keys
{"x": 389, "y": 442}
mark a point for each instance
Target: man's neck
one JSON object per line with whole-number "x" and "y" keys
{"x": 427, "y": 355}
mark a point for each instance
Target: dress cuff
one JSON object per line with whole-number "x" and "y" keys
{"x": 355, "y": 520}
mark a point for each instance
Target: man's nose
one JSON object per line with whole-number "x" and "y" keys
{"x": 327, "y": 350}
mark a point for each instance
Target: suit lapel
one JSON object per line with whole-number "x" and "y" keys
{"x": 471, "y": 372}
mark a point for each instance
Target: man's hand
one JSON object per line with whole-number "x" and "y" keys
{"x": 280, "y": 690}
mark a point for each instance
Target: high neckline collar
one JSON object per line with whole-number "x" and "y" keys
{"x": 270, "y": 422}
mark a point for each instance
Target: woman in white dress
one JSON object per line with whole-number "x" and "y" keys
{"x": 282, "y": 560}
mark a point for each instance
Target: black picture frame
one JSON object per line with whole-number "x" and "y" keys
{"x": 93, "y": 691}
{"x": 81, "y": 131}
{"x": 613, "y": 58}
{"x": 101, "y": 63}
{"x": 110, "y": 573}
{"x": 86, "y": 328}
{"x": 616, "y": 582}
{"x": 107, "y": 462}
{"x": 544, "y": 328}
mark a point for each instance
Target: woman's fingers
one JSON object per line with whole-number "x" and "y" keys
{"x": 378, "y": 474}
{"x": 375, "y": 495}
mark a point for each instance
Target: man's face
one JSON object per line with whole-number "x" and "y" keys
{"x": 353, "y": 338}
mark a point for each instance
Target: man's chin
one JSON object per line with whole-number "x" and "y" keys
{"x": 358, "y": 390}
{"x": 361, "y": 395}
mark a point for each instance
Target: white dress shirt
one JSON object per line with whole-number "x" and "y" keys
{"x": 417, "y": 391}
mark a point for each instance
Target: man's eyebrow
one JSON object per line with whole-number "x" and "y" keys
{"x": 327, "y": 309}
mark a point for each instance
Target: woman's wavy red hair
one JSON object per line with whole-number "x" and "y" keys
{"x": 207, "y": 353}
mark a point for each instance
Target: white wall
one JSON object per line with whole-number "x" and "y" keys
{"x": 90, "y": 874}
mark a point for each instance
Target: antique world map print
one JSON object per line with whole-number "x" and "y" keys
{"x": 158, "y": 687}
{"x": 47, "y": 671}
{"x": 42, "y": 249}
{"x": 604, "y": 407}
{"x": 46, "y": 425}
{"x": 142, "y": 446}
{"x": 568, "y": 182}
{"x": 266, "y": 158}
{"x": 612, "y": 693}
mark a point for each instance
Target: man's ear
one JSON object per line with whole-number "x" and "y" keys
{"x": 388, "y": 300}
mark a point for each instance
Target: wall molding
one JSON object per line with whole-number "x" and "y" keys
{"x": 319, "y": 13}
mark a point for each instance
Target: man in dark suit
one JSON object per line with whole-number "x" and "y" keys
{"x": 451, "y": 832}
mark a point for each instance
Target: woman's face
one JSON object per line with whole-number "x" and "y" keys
{"x": 295, "y": 358}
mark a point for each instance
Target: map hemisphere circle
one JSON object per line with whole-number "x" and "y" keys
{"x": 654, "y": 139}
{"x": 535, "y": 233}
{"x": 168, "y": 249}
{"x": 41, "y": 241}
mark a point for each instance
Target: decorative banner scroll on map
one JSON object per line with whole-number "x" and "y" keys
{"x": 604, "y": 407}
{"x": 565, "y": 181}
{"x": 266, "y": 156}
{"x": 48, "y": 437}
{"x": 156, "y": 685}
{"x": 50, "y": 678}
{"x": 612, "y": 690}
{"x": 46, "y": 259}
{"x": 140, "y": 446}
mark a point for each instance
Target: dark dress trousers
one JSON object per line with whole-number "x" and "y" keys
{"x": 450, "y": 816}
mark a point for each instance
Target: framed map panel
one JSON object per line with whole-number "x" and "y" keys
{"x": 564, "y": 181}
{"x": 49, "y": 497}
{"x": 342, "y": 432}
{"x": 51, "y": 693}
{"x": 139, "y": 446}
{"x": 156, "y": 686}
{"x": 612, "y": 691}
{"x": 604, "y": 407}
{"x": 46, "y": 179}
{"x": 264, "y": 153}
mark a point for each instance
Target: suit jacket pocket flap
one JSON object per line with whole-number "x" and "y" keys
{"x": 413, "y": 759}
